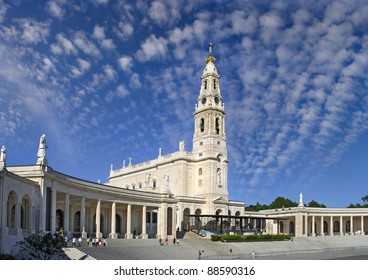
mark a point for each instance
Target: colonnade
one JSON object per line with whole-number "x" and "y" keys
{"x": 322, "y": 225}
{"x": 90, "y": 216}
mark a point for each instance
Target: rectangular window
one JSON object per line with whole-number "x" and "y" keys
{"x": 200, "y": 183}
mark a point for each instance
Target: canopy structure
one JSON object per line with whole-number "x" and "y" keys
{"x": 229, "y": 223}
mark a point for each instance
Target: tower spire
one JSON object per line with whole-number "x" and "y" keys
{"x": 210, "y": 57}
{"x": 210, "y": 46}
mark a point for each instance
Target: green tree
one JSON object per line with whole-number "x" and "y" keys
{"x": 316, "y": 204}
{"x": 42, "y": 246}
{"x": 282, "y": 202}
{"x": 358, "y": 205}
{"x": 365, "y": 199}
{"x": 256, "y": 207}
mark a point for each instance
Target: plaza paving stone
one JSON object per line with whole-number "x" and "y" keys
{"x": 312, "y": 248}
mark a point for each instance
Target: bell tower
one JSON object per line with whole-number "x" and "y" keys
{"x": 209, "y": 140}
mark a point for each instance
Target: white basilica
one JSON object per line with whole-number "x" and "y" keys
{"x": 185, "y": 190}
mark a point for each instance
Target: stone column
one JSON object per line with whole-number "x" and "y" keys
{"x": 313, "y": 227}
{"x": 66, "y": 215}
{"x": 98, "y": 219}
{"x": 298, "y": 225}
{"x": 128, "y": 234}
{"x": 113, "y": 234}
{"x": 53, "y": 210}
{"x": 341, "y": 232}
{"x": 17, "y": 218}
{"x": 151, "y": 221}
{"x": 162, "y": 221}
{"x": 179, "y": 218}
{"x": 322, "y": 232}
{"x": 331, "y": 226}
{"x": 144, "y": 223}
{"x": 362, "y": 225}
{"x": 83, "y": 217}
{"x": 351, "y": 225}
{"x": 173, "y": 207}
{"x": 305, "y": 225}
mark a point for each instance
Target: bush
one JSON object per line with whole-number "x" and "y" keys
{"x": 215, "y": 237}
{"x": 41, "y": 246}
{"x": 269, "y": 237}
{"x": 250, "y": 238}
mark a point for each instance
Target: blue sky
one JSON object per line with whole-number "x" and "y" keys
{"x": 108, "y": 80}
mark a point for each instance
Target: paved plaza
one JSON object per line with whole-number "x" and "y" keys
{"x": 310, "y": 248}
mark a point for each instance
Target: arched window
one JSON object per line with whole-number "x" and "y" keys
{"x": 202, "y": 125}
{"x": 325, "y": 227}
{"x": 59, "y": 219}
{"x": 214, "y": 84}
{"x": 117, "y": 223}
{"x": 347, "y": 227}
{"x": 77, "y": 221}
{"x": 336, "y": 226}
{"x": 291, "y": 228}
{"x": 25, "y": 213}
{"x": 200, "y": 171}
{"x": 154, "y": 183}
{"x": 217, "y": 126}
{"x": 11, "y": 210}
{"x": 205, "y": 84}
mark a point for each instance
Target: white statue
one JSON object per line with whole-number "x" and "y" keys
{"x": 3, "y": 154}
{"x": 182, "y": 146}
{"x": 41, "y": 153}
{"x": 159, "y": 152}
{"x": 166, "y": 182}
{"x": 130, "y": 162}
{"x": 301, "y": 199}
{"x": 148, "y": 177}
{"x": 2, "y": 158}
{"x": 219, "y": 177}
{"x": 42, "y": 147}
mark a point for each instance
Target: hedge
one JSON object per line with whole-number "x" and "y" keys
{"x": 249, "y": 238}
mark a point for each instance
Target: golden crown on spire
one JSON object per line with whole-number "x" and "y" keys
{"x": 210, "y": 57}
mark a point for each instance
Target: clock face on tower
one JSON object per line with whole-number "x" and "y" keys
{"x": 204, "y": 100}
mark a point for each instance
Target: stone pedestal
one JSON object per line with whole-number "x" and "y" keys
{"x": 113, "y": 235}
{"x": 84, "y": 233}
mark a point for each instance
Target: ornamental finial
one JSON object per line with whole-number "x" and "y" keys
{"x": 210, "y": 58}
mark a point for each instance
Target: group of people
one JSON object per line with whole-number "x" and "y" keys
{"x": 75, "y": 240}
{"x": 91, "y": 242}
{"x": 96, "y": 242}
{"x": 166, "y": 241}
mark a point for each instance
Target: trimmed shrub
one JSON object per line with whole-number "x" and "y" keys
{"x": 253, "y": 237}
